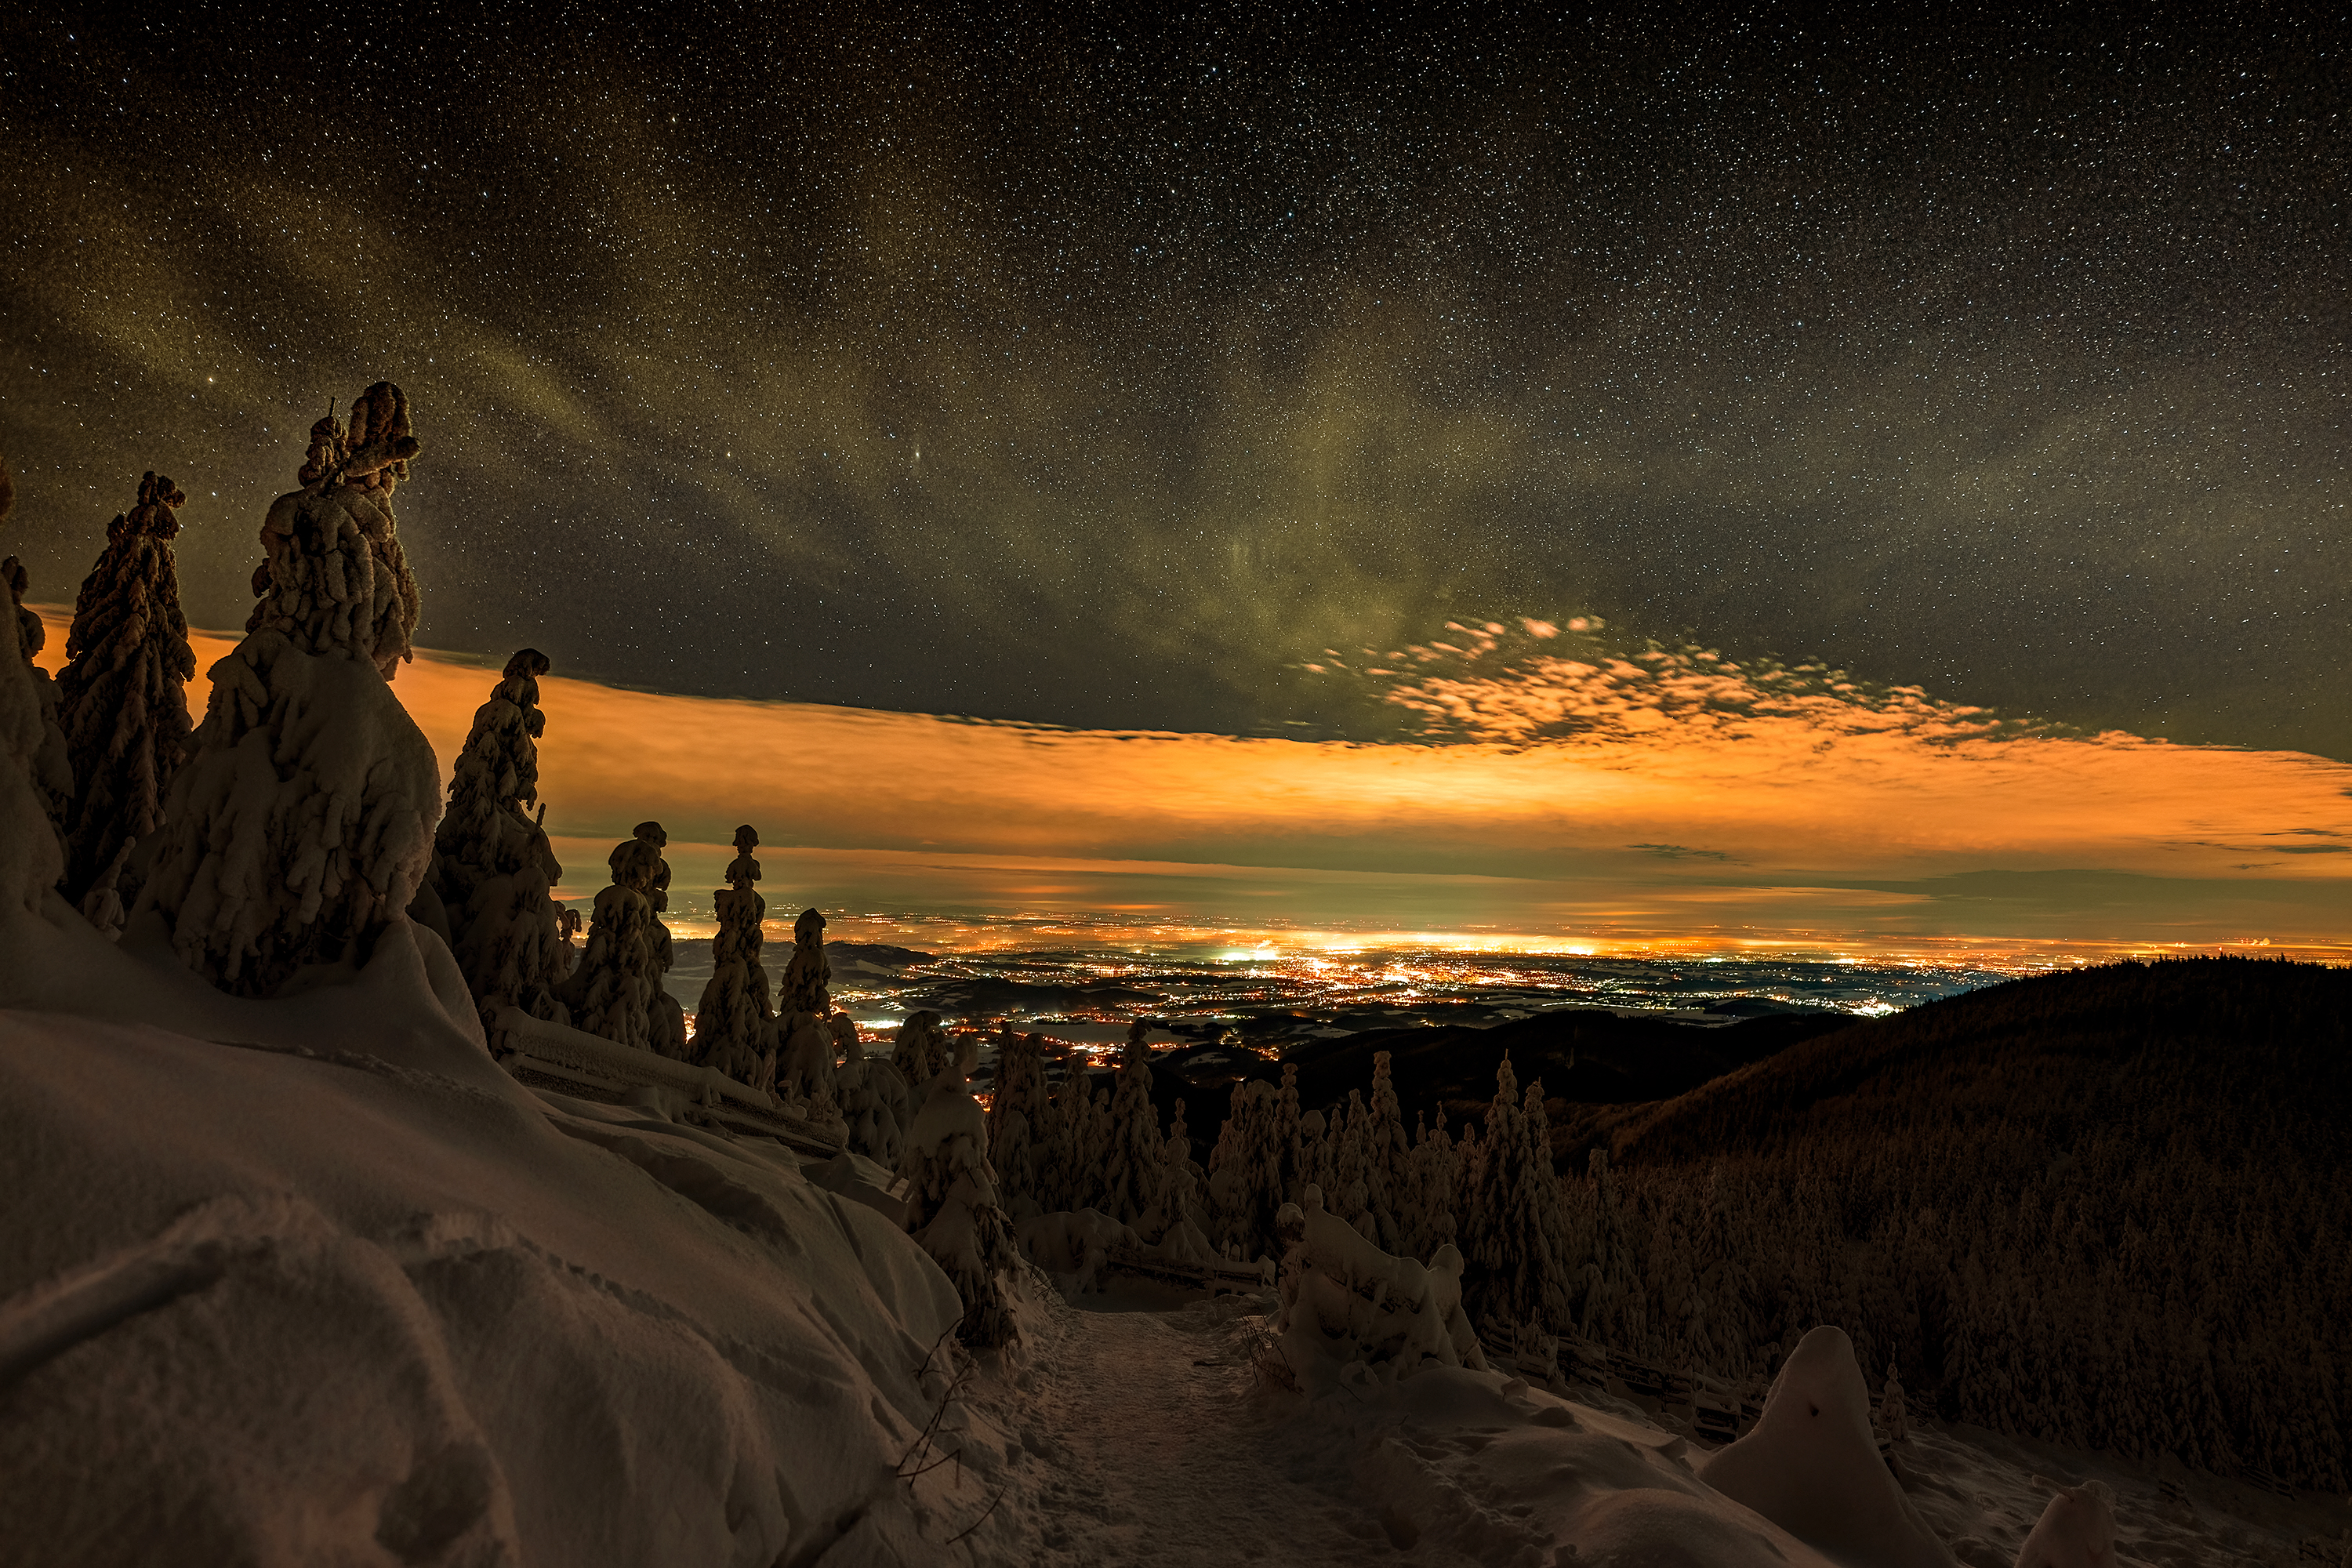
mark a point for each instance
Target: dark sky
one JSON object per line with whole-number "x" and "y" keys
{"x": 1084, "y": 371}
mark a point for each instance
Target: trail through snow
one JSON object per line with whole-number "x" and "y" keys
{"x": 1158, "y": 1454}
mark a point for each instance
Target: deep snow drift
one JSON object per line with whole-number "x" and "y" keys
{"x": 312, "y": 1280}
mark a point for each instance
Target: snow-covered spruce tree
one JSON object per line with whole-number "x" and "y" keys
{"x": 665, "y": 1019}
{"x": 921, "y": 1050}
{"x": 1245, "y": 1172}
{"x": 122, "y": 694}
{"x": 1511, "y": 1217}
{"x": 1290, "y": 1177}
{"x": 32, "y": 851}
{"x": 874, "y": 1104}
{"x": 493, "y": 868}
{"x": 951, "y": 1205}
{"x": 808, "y": 978}
{"x": 1348, "y": 1195}
{"x": 804, "y": 1064}
{"x": 1177, "y": 1218}
{"x": 301, "y": 827}
{"x": 333, "y": 575}
{"x": 734, "y": 1024}
{"x": 1387, "y": 1160}
{"x": 1134, "y": 1167}
{"x": 1015, "y": 1112}
{"x": 611, "y": 990}
{"x": 1050, "y": 1143}
{"x": 1612, "y": 1309}
{"x": 51, "y": 775}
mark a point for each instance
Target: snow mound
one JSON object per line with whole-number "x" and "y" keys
{"x": 1811, "y": 1466}
{"x": 310, "y": 1279}
{"x": 2077, "y": 1531}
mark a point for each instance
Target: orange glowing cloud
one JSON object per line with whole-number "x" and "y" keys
{"x": 1644, "y": 798}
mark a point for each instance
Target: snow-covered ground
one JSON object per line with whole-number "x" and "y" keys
{"x": 313, "y": 1281}
{"x": 1152, "y": 1439}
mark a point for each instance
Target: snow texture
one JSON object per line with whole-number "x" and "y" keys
{"x": 122, "y": 692}
{"x": 342, "y": 1291}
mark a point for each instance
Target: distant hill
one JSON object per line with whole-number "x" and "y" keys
{"x": 2109, "y": 1208}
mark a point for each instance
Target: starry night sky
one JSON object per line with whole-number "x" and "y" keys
{"x": 1070, "y": 368}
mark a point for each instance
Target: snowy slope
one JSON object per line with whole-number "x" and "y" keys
{"x": 313, "y": 1281}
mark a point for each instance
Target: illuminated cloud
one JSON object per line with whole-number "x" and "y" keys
{"x": 1653, "y": 799}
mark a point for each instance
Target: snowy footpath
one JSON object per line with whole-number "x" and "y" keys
{"x": 1146, "y": 1436}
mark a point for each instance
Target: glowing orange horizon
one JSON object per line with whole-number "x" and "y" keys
{"x": 1800, "y": 826}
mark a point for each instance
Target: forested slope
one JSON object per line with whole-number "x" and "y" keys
{"x": 2108, "y": 1207}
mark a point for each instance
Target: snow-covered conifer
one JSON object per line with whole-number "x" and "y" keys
{"x": 951, "y": 1205}
{"x": 334, "y": 577}
{"x": 1015, "y": 1115}
{"x": 1388, "y": 1160}
{"x": 122, "y": 694}
{"x": 1245, "y": 1173}
{"x": 32, "y": 849}
{"x": 1434, "y": 1183}
{"x": 808, "y": 978}
{"x": 665, "y": 1021}
{"x": 49, "y": 769}
{"x": 1134, "y": 1166}
{"x": 1511, "y": 1220}
{"x": 734, "y": 1024}
{"x": 874, "y": 1102}
{"x": 302, "y": 825}
{"x": 493, "y": 868}
{"x": 616, "y": 990}
{"x": 1291, "y": 1176}
{"x": 804, "y": 1064}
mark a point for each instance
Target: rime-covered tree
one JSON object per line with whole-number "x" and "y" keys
{"x": 874, "y": 1104}
{"x": 1433, "y": 1172}
{"x": 1388, "y": 1160}
{"x": 1135, "y": 1166}
{"x": 1511, "y": 1222}
{"x": 493, "y": 868}
{"x": 32, "y": 850}
{"x": 804, "y": 1060}
{"x": 1015, "y": 1115}
{"x": 301, "y": 827}
{"x": 735, "y": 1024}
{"x": 612, "y": 990}
{"x": 808, "y": 978}
{"x": 921, "y": 1053}
{"x": 665, "y": 1019}
{"x": 49, "y": 771}
{"x": 951, "y": 1205}
{"x": 1245, "y": 1173}
{"x": 122, "y": 694}
{"x": 333, "y": 575}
